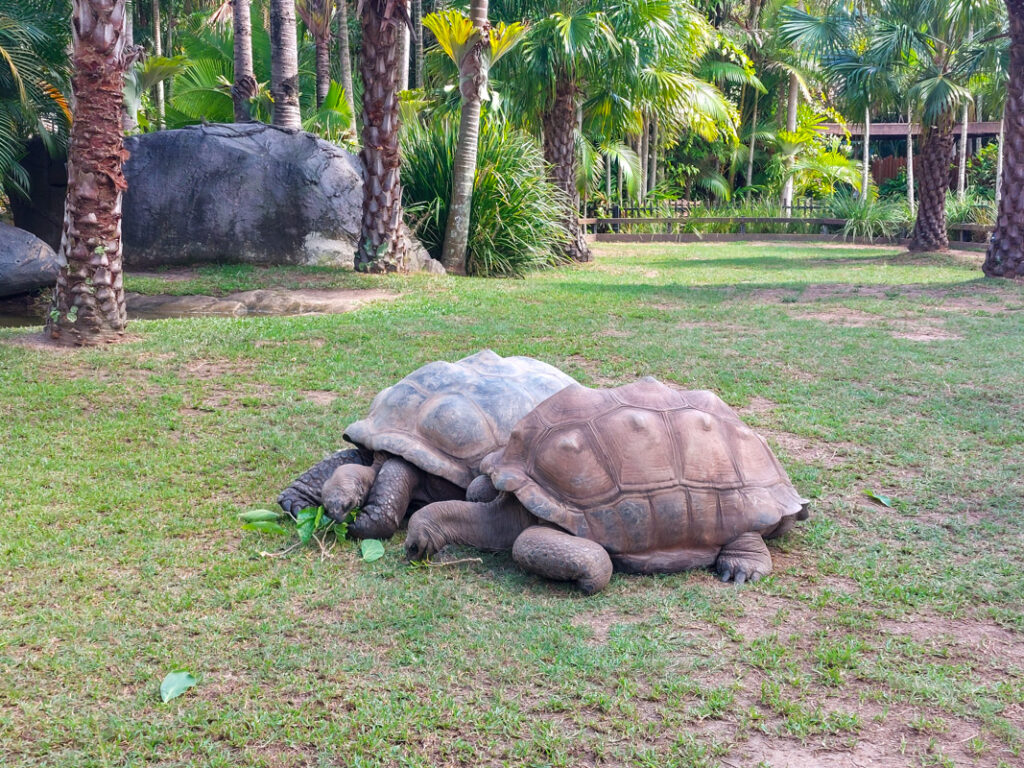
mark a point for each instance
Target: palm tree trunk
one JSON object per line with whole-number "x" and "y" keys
{"x": 936, "y": 152}
{"x": 910, "y": 161}
{"x": 417, "y": 26}
{"x": 158, "y": 51}
{"x": 865, "y": 178}
{"x": 472, "y": 86}
{"x": 284, "y": 69}
{"x": 244, "y": 87}
{"x": 753, "y": 141}
{"x": 404, "y": 41}
{"x": 88, "y": 303}
{"x": 381, "y": 246}
{"x": 961, "y": 171}
{"x": 559, "y": 124}
{"x": 345, "y": 55}
{"x": 1005, "y": 257}
{"x": 323, "y": 68}
{"x": 652, "y": 168}
{"x": 1000, "y": 156}
{"x": 791, "y": 107}
{"x": 645, "y": 143}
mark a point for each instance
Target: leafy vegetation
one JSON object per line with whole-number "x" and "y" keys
{"x": 516, "y": 211}
{"x": 865, "y": 368}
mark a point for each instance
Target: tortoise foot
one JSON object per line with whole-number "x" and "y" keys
{"x": 560, "y": 556}
{"x": 745, "y": 558}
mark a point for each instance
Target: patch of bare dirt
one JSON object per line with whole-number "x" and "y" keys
{"x": 600, "y": 623}
{"x": 757, "y": 405}
{"x": 843, "y": 316}
{"x": 811, "y": 451}
{"x": 207, "y": 370}
{"x": 925, "y": 334}
{"x": 42, "y": 341}
{"x": 975, "y": 639}
{"x": 319, "y": 396}
{"x": 172, "y": 274}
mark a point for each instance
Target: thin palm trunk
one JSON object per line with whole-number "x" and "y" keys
{"x": 753, "y": 142}
{"x": 608, "y": 179}
{"x": 961, "y": 171}
{"x": 865, "y": 177}
{"x": 158, "y": 51}
{"x": 245, "y": 86}
{"x": 381, "y": 246}
{"x": 417, "y": 25}
{"x": 936, "y": 152}
{"x": 88, "y": 303}
{"x": 559, "y": 124}
{"x": 345, "y": 56}
{"x": 791, "y": 107}
{"x": 652, "y": 169}
{"x": 910, "y": 162}
{"x": 1000, "y": 155}
{"x": 1005, "y": 257}
{"x": 284, "y": 69}
{"x": 472, "y": 86}
{"x": 645, "y": 142}
{"x": 323, "y": 69}
{"x": 404, "y": 43}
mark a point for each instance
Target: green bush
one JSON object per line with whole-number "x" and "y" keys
{"x": 869, "y": 218}
{"x": 975, "y": 208}
{"x": 515, "y": 219}
{"x": 981, "y": 171}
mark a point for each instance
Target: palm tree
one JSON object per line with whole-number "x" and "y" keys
{"x": 381, "y": 246}
{"x": 284, "y": 79}
{"x": 245, "y": 86}
{"x": 1005, "y": 257}
{"x": 926, "y": 45}
{"x": 474, "y": 46}
{"x": 88, "y": 304}
{"x": 317, "y": 16}
{"x": 345, "y": 57}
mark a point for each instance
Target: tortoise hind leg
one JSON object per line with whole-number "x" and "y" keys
{"x": 560, "y": 556}
{"x": 745, "y": 558}
{"x": 307, "y": 489}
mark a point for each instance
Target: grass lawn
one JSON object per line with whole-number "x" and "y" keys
{"x": 886, "y": 637}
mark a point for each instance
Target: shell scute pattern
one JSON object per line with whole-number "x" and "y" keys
{"x": 445, "y": 417}
{"x": 644, "y": 467}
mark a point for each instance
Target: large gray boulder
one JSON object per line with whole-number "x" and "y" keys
{"x": 249, "y": 192}
{"x": 246, "y": 193}
{"x": 26, "y": 262}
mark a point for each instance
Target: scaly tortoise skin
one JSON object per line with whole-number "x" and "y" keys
{"x": 663, "y": 480}
{"x": 424, "y": 438}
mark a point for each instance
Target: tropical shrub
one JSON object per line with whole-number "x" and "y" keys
{"x": 515, "y": 220}
{"x": 870, "y": 217}
{"x": 33, "y": 80}
{"x": 981, "y": 171}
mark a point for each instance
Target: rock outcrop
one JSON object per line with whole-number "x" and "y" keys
{"x": 248, "y": 193}
{"x": 26, "y": 262}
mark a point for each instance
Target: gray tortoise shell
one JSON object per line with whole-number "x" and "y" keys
{"x": 445, "y": 417}
{"x": 644, "y": 467}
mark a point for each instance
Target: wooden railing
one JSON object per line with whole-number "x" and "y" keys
{"x": 825, "y": 225}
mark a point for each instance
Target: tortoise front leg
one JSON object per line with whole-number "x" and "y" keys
{"x": 492, "y": 525}
{"x": 387, "y": 501}
{"x": 307, "y": 489}
{"x": 557, "y": 555}
{"x": 745, "y": 558}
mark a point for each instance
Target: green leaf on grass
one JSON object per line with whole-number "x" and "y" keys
{"x": 306, "y": 522}
{"x": 885, "y": 501}
{"x": 265, "y": 526}
{"x": 259, "y": 515}
{"x": 175, "y": 684}
{"x": 372, "y": 549}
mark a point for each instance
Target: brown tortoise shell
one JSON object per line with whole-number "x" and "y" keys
{"x": 645, "y": 469}
{"x": 445, "y": 417}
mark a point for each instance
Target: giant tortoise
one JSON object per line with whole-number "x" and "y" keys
{"x": 423, "y": 440}
{"x": 642, "y": 478}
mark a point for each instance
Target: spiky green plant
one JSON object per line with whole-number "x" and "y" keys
{"x": 869, "y": 217}
{"x": 516, "y": 211}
